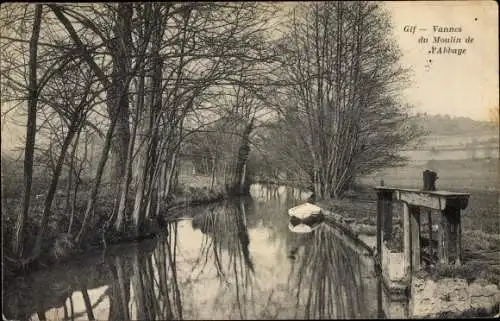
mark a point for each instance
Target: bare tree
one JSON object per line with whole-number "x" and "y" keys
{"x": 152, "y": 71}
{"x": 342, "y": 100}
{"x": 30, "y": 132}
{"x": 75, "y": 115}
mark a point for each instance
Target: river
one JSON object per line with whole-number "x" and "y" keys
{"x": 236, "y": 259}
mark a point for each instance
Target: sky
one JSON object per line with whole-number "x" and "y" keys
{"x": 465, "y": 85}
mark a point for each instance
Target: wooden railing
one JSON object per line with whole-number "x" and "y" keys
{"x": 415, "y": 204}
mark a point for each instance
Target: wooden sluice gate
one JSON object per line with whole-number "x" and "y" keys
{"x": 416, "y": 203}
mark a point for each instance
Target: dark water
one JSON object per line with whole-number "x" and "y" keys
{"x": 232, "y": 260}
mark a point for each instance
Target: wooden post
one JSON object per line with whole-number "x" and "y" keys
{"x": 384, "y": 219}
{"x": 380, "y": 306}
{"x": 380, "y": 213}
{"x": 415, "y": 237}
{"x": 455, "y": 230}
{"x": 429, "y": 179}
{"x": 458, "y": 222}
{"x": 429, "y": 222}
{"x": 387, "y": 223}
{"x": 406, "y": 240}
{"x": 443, "y": 239}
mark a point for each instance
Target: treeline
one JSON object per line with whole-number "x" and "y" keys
{"x": 451, "y": 125}
{"x": 113, "y": 91}
{"x": 116, "y": 95}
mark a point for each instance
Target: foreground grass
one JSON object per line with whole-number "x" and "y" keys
{"x": 480, "y": 226}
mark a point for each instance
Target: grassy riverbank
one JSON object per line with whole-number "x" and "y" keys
{"x": 480, "y": 220}
{"x": 58, "y": 245}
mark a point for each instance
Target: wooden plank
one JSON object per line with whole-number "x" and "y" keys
{"x": 406, "y": 240}
{"x": 452, "y": 215}
{"x": 414, "y": 190}
{"x": 450, "y": 236}
{"x": 387, "y": 219}
{"x": 429, "y": 223}
{"x": 421, "y": 199}
{"x": 456, "y": 199}
{"x": 443, "y": 239}
{"x": 459, "y": 239}
{"x": 415, "y": 237}
{"x": 380, "y": 213}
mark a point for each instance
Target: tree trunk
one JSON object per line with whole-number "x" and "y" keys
{"x": 149, "y": 160}
{"x": 77, "y": 184}
{"x": 212, "y": 180}
{"x": 53, "y": 185}
{"x": 170, "y": 175}
{"x": 238, "y": 180}
{"x": 138, "y": 211}
{"x": 118, "y": 101}
{"x": 127, "y": 178}
{"x": 97, "y": 181}
{"x": 30, "y": 134}
{"x": 71, "y": 171}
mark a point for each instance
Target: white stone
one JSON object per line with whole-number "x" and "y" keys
{"x": 448, "y": 295}
{"x": 304, "y": 210}
{"x": 491, "y": 289}
{"x": 496, "y": 297}
{"x": 482, "y": 302}
{"x": 396, "y": 266}
{"x": 476, "y": 289}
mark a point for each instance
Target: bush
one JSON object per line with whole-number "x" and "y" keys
{"x": 469, "y": 271}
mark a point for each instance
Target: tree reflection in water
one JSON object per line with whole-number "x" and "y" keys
{"x": 225, "y": 232}
{"x": 145, "y": 281}
{"x": 327, "y": 275}
{"x": 77, "y": 289}
{"x": 155, "y": 283}
{"x": 119, "y": 290}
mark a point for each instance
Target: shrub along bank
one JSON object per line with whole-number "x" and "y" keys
{"x": 58, "y": 244}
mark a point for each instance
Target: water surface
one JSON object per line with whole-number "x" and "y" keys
{"x": 236, "y": 259}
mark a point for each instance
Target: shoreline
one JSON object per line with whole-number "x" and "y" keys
{"x": 455, "y": 296}
{"x": 45, "y": 261}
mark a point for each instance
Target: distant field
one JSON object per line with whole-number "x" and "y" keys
{"x": 451, "y": 153}
{"x": 479, "y": 178}
{"x": 454, "y": 175}
{"x": 438, "y": 141}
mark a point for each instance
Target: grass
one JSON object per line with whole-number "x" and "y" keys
{"x": 469, "y": 271}
{"x": 58, "y": 245}
{"x": 455, "y": 175}
{"x": 480, "y": 220}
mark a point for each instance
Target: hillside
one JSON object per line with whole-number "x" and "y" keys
{"x": 446, "y": 125}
